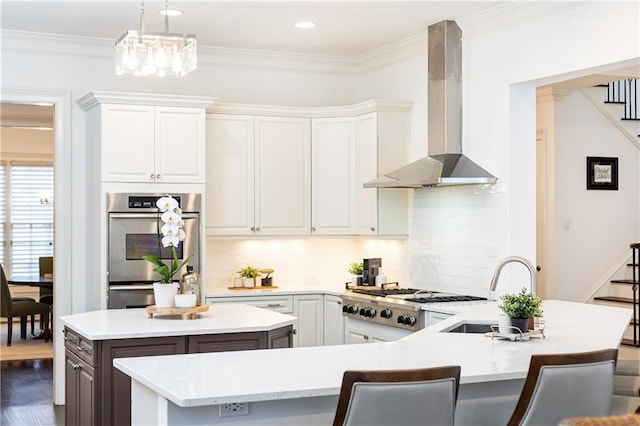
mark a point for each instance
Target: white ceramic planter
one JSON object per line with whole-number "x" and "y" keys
{"x": 237, "y": 282}
{"x": 187, "y": 300}
{"x": 249, "y": 282}
{"x": 164, "y": 294}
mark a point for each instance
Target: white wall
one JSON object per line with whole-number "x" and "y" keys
{"x": 601, "y": 224}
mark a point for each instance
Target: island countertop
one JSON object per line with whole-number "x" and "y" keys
{"x": 317, "y": 371}
{"x": 134, "y": 323}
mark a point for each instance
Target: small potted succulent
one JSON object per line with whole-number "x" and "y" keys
{"x": 519, "y": 309}
{"x": 249, "y": 275}
{"x": 356, "y": 270}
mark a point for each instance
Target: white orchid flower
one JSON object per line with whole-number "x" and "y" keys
{"x": 170, "y": 240}
{"x": 171, "y": 217}
{"x": 172, "y": 234}
{"x": 169, "y": 229}
{"x": 167, "y": 203}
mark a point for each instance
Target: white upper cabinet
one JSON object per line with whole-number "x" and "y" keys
{"x": 230, "y": 175}
{"x": 333, "y": 192}
{"x": 148, "y": 138}
{"x": 300, "y": 171}
{"x": 283, "y": 174}
{"x": 179, "y": 145}
{"x": 382, "y": 139}
{"x": 258, "y": 175}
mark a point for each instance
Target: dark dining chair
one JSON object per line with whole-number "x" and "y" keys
{"x": 22, "y": 309}
{"x": 561, "y": 386}
{"x": 425, "y": 396}
{"x": 45, "y": 267}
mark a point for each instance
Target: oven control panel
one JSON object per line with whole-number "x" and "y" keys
{"x": 383, "y": 313}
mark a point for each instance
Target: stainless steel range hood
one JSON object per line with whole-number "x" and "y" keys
{"x": 445, "y": 165}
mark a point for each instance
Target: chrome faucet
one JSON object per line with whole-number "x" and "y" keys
{"x": 517, "y": 259}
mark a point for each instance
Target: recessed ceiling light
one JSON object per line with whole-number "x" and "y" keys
{"x": 305, "y": 25}
{"x": 171, "y": 12}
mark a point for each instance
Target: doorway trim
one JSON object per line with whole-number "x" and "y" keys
{"x": 62, "y": 231}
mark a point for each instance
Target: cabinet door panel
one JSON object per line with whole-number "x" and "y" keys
{"x": 227, "y": 342}
{"x": 333, "y": 321}
{"x": 87, "y": 393}
{"x": 283, "y": 176}
{"x": 367, "y": 170}
{"x": 333, "y": 176}
{"x": 116, "y": 409}
{"x": 180, "y": 145}
{"x": 309, "y": 310}
{"x": 230, "y": 174}
{"x": 127, "y": 143}
{"x": 280, "y": 338}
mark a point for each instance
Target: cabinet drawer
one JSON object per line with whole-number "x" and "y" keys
{"x": 81, "y": 347}
{"x": 282, "y": 304}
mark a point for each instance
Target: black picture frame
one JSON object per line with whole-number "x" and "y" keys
{"x": 602, "y": 173}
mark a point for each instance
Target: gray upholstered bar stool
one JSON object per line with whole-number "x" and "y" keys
{"x": 425, "y": 396}
{"x": 566, "y": 385}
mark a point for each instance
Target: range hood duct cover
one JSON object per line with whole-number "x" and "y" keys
{"x": 446, "y": 164}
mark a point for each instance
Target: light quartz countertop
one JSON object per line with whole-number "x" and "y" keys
{"x": 276, "y": 290}
{"x": 266, "y": 375}
{"x": 134, "y": 323}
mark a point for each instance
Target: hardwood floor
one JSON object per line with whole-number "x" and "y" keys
{"x": 26, "y": 394}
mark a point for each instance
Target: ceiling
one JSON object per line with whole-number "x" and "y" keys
{"x": 344, "y": 29}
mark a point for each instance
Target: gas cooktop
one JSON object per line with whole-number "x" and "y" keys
{"x": 384, "y": 292}
{"x": 442, "y": 299}
{"x": 421, "y": 296}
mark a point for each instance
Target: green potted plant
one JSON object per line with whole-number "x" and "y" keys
{"x": 518, "y": 309}
{"x": 249, "y": 274}
{"x": 356, "y": 270}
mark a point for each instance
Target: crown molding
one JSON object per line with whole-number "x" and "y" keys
{"x": 220, "y": 56}
{"x": 94, "y": 98}
{"x": 512, "y": 13}
{"x": 373, "y": 105}
{"x": 550, "y": 94}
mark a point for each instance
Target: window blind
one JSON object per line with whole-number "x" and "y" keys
{"x": 3, "y": 213}
{"x": 31, "y": 217}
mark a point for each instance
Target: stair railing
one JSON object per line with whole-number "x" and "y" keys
{"x": 625, "y": 92}
{"x": 635, "y": 267}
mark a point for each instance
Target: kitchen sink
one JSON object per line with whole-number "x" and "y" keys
{"x": 471, "y": 328}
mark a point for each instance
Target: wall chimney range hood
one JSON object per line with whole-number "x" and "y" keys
{"x": 446, "y": 164}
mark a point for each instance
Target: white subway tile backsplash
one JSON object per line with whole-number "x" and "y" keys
{"x": 457, "y": 236}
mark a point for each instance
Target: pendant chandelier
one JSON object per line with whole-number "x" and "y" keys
{"x": 165, "y": 54}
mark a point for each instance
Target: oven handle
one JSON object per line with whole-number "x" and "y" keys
{"x": 149, "y": 215}
{"x": 131, "y": 287}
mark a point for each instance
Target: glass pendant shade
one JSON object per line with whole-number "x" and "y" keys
{"x": 156, "y": 54}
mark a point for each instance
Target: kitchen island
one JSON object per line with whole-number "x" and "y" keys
{"x": 97, "y": 393}
{"x": 301, "y": 385}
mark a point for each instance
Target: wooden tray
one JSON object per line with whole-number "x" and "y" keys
{"x": 190, "y": 312}
{"x": 258, "y": 287}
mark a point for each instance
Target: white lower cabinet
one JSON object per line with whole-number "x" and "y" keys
{"x": 309, "y": 310}
{"x": 436, "y": 317}
{"x": 357, "y": 331}
{"x": 333, "y": 320}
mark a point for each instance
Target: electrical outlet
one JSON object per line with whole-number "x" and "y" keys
{"x": 234, "y": 409}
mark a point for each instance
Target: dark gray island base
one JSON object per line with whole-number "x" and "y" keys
{"x": 96, "y": 393}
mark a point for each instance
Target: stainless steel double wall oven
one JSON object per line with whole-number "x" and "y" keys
{"x": 134, "y": 230}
